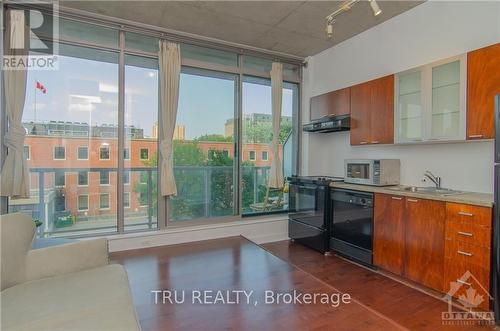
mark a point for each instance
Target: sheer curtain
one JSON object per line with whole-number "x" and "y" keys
{"x": 170, "y": 70}
{"x": 276, "y": 172}
{"x": 14, "y": 178}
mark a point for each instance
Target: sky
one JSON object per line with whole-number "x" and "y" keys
{"x": 84, "y": 90}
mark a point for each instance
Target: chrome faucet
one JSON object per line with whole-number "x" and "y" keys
{"x": 435, "y": 179}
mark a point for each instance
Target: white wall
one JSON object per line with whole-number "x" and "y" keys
{"x": 429, "y": 32}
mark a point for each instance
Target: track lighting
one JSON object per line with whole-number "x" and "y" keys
{"x": 329, "y": 28}
{"x": 376, "y": 9}
{"x": 345, "y": 6}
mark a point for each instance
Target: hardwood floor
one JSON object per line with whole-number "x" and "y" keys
{"x": 238, "y": 264}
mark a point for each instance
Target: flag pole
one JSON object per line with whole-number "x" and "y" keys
{"x": 34, "y": 109}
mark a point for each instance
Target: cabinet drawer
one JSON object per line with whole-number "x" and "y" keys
{"x": 467, "y": 254}
{"x": 456, "y": 270}
{"x": 456, "y": 212}
{"x": 469, "y": 232}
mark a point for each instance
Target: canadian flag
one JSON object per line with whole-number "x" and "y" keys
{"x": 40, "y": 87}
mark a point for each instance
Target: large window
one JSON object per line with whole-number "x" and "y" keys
{"x": 257, "y": 196}
{"x": 66, "y": 125}
{"x": 78, "y": 134}
{"x": 141, "y": 143}
{"x": 204, "y": 173}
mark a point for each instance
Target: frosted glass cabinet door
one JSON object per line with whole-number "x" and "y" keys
{"x": 409, "y": 107}
{"x": 446, "y": 115}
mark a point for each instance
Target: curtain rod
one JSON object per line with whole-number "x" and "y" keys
{"x": 169, "y": 34}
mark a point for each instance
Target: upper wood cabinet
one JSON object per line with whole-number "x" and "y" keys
{"x": 430, "y": 102}
{"x": 331, "y": 103}
{"x": 372, "y": 112}
{"x": 483, "y": 83}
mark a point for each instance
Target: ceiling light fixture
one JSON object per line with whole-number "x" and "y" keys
{"x": 376, "y": 9}
{"x": 345, "y": 6}
{"x": 329, "y": 28}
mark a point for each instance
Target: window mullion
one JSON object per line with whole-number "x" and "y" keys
{"x": 121, "y": 134}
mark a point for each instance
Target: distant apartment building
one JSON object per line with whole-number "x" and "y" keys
{"x": 74, "y": 168}
{"x": 179, "y": 132}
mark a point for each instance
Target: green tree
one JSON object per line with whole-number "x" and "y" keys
{"x": 214, "y": 137}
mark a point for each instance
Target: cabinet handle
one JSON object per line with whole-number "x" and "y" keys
{"x": 363, "y": 143}
{"x": 412, "y": 200}
{"x": 463, "y": 282}
{"x": 475, "y": 136}
{"x": 397, "y": 198}
{"x": 467, "y": 234}
{"x": 462, "y": 213}
{"x": 464, "y": 253}
{"x": 375, "y": 142}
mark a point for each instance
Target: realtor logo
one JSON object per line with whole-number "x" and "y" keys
{"x": 470, "y": 296}
{"x": 32, "y": 35}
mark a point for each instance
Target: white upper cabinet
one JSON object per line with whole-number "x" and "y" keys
{"x": 430, "y": 102}
{"x": 409, "y": 116}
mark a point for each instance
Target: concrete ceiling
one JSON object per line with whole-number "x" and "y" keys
{"x": 292, "y": 27}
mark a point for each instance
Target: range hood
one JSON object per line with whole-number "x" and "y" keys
{"x": 332, "y": 123}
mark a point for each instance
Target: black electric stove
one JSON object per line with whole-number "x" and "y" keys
{"x": 310, "y": 217}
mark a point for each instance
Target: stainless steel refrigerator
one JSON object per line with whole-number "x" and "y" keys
{"x": 495, "y": 268}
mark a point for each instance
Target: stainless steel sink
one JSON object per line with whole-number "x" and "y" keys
{"x": 430, "y": 190}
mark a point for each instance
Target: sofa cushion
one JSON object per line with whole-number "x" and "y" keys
{"x": 94, "y": 299}
{"x": 17, "y": 231}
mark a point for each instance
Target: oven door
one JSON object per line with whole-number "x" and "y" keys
{"x": 359, "y": 172}
{"x": 307, "y": 204}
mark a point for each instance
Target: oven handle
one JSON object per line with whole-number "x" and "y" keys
{"x": 309, "y": 187}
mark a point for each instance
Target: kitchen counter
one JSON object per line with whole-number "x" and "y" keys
{"x": 471, "y": 198}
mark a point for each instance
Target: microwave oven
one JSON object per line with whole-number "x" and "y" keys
{"x": 377, "y": 172}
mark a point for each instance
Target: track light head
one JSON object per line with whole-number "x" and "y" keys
{"x": 329, "y": 28}
{"x": 376, "y": 9}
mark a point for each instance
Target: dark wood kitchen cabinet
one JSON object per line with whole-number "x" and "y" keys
{"x": 332, "y": 103}
{"x": 483, "y": 83}
{"x": 424, "y": 241}
{"x": 389, "y": 233}
{"x": 372, "y": 112}
{"x": 409, "y": 238}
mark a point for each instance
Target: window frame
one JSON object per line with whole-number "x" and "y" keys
{"x": 27, "y": 158}
{"x": 239, "y": 70}
{"x": 109, "y": 152}
{"x": 140, "y": 153}
{"x": 126, "y": 194}
{"x": 54, "y": 153}
{"x": 100, "y": 201}
{"x": 126, "y": 154}
{"x": 63, "y": 176}
{"x": 78, "y": 203}
{"x": 262, "y": 155}
{"x": 100, "y": 178}
{"x": 250, "y": 156}
{"x": 78, "y": 178}
{"x": 78, "y": 153}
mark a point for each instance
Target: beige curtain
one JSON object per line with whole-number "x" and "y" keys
{"x": 14, "y": 177}
{"x": 170, "y": 70}
{"x": 276, "y": 172}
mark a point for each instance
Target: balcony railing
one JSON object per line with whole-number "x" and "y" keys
{"x": 68, "y": 204}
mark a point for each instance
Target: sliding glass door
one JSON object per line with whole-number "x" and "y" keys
{"x": 257, "y": 196}
{"x": 204, "y": 146}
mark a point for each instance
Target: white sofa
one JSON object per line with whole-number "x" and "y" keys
{"x": 66, "y": 287}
